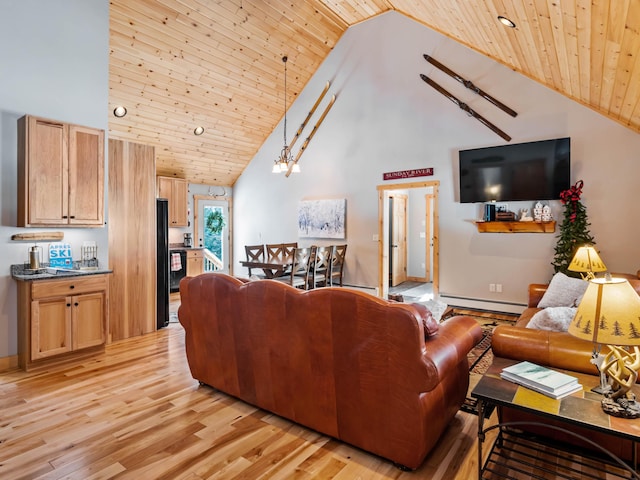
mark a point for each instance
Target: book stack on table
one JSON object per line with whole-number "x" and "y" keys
{"x": 541, "y": 379}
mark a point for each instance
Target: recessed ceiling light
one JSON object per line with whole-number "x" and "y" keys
{"x": 506, "y": 22}
{"x": 198, "y": 131}
{"x": 119, "y": 111}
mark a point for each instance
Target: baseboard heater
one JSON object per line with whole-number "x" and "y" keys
{"x": 482, "y": 303}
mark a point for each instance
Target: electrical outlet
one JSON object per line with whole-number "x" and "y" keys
{"x": 375, "y": 238}
{"x": 492, "y": 287}
{"x": 498, "y": 287}
{"x": 422, "y": 265}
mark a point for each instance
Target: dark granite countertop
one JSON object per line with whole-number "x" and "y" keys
{"x": 22, "y": 272}
{"x": 180, "y": 246}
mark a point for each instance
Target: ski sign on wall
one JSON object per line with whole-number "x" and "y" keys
{"x": 417, "y": 172}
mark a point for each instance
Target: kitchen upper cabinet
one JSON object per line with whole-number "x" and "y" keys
{"x": 61, "y": 319}
{"x": 60, "y": 174}
{"x": 175, "y": 190}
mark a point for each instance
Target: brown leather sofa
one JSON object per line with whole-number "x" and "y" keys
{"x": 553, "y": 349}
{"x": 556, "y": 350}
{"x": 381, "y": 376}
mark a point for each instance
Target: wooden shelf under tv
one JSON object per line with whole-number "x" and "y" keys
{"x": 516, "y": 227}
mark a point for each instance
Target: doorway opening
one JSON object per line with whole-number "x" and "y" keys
{"x": 397, "y": 238}
{"x": 408, "y": 234}
{"x": 213, "y": 239}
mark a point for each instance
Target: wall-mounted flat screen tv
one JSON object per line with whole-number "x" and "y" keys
{"x": 523, "y": 171}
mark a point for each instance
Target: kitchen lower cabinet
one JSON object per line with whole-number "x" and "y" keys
{"x": 60, "y": 320}
{"x": 195, "y": 262}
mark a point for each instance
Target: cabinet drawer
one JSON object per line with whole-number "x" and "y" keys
{"x": 194, "y": 254}
{"x": 69, "y": 286}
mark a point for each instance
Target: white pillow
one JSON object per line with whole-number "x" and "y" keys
{"x": 555, "y": 319}
{"x": 563, "y": 291}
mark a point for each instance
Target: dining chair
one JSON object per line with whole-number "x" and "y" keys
{"x": 255, "y": 253}
{"x": 287, "y": 251}
{"x": 337, "y": 264}
{"x": 321, "y": 266}
{"x": 274, "y": 252}
{"x": 300, "y": 274}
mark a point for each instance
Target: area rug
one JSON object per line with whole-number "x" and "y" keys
{"x": 481, "y": 356}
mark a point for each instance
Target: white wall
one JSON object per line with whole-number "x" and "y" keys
{"x": 386, "y": 119}
{"x": 54, "y": 61}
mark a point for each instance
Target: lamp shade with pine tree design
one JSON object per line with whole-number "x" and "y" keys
{"x": 609, "y": 313}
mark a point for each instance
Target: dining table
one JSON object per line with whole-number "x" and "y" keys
{"x": 271, "y": 269}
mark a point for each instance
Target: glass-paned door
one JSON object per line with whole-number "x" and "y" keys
{"x": 213, "y": 233}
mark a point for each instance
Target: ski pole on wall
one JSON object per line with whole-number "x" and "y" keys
{"x": 306, "y": 120}
{"x": 308, "y": 139}
{"x": 469, "y": 84}
{"x": 466, "y": 108}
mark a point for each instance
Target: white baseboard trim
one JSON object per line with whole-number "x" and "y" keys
{"x": 481, "y": 304}
{"x": 370, "y": 290}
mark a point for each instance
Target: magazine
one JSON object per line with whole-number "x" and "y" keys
{"x": 541, "y": 379}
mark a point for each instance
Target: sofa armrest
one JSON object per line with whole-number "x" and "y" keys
{"x": 536, "y": 291}
{"x": 454, "y": 340}
{"x": 552, "y": 349}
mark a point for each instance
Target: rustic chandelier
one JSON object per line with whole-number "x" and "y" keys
{"x": 285, "y": 162}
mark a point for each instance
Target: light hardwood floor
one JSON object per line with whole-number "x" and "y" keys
{"x": 135, "y": 412}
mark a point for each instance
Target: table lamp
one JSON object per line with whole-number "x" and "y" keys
{"x": 587, "y": 261}
{"x": 609, "y": 314}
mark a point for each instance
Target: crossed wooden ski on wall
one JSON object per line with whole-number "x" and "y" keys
{"x": 315, "y": 127}
{"x": 468, "y": 84}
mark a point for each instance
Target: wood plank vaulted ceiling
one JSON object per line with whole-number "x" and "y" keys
{"x": 179, "y": 64}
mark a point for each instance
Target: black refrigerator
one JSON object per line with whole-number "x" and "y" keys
{"x": 162, "y": 267}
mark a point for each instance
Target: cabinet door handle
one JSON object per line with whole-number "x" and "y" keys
{"x": 72, "y": 287}
{"x": 75, "y": 304}
{"x": 68, "y": 304}
{"x": 72, "y": 216}
{"x": 64, "y": 216}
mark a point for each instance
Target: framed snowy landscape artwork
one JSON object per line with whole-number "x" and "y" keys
{"x": 322, "y": 218}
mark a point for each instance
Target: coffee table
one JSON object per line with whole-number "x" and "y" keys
{"x": 581, "y": 409}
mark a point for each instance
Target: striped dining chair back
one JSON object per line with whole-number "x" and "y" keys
{"x": 337, "y": 265}
{"x": 300, "y": 275}
{"x": 321, "y": 266}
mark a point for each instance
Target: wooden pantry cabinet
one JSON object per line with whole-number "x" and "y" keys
{"x": 60, "y": 320}
{"x": 175, "y": 190}
{"x": 60, "y": 174}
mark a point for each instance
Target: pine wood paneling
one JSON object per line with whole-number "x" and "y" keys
{"x": 178, "y": 64}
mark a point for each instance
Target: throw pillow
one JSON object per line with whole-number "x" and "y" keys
{"x": 563, "y": 291}
{"x": 430, "y": 325}
{"x": 555, "y": 319}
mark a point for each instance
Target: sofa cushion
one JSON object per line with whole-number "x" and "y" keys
{"x": 563, "y": 291}
{"x": 554, "y": 319}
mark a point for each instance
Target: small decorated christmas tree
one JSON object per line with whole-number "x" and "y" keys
{"x": 574, "y": 231}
